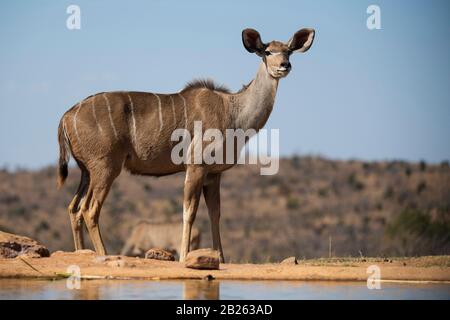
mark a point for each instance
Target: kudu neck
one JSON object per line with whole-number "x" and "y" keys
{"x": 255, "y": 103}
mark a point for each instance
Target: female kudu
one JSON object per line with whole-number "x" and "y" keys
{"x": 110, "y": 131}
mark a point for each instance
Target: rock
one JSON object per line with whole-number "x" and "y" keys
{"x": 12, "y": 246}
{"x": 290, "y": 260}
{"x": 203, "y": 259}
{"x": 159, "y": 254}
{"x": 208, "y": 277}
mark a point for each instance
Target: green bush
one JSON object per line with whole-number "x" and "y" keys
{"x": 414, "y": 232}
{"x": 353, "y": 181}
{"x": 292, "y": 203}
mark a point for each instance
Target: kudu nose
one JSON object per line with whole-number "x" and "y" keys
{"x": 286, "y": 65}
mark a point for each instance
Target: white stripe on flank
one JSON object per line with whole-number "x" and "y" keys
{"x": 185, "y": 111}
{"x": 173, "y": 111}
{"x": 95, "y": 116}
{"x": 110, "y": 116}
{"x": 160, "y": 114}
{"x": 133, "y": 137}
{"x": 75, "y": 121}
{"x": 66, "y": 136}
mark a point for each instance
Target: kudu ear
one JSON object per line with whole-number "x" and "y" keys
{"x": 302, "y": 40}
{"x": 252, "y": 42}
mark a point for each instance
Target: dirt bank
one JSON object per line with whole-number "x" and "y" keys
{"x": 436, "y": 268}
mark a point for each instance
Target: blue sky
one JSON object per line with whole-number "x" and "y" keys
{"x": 372, "y": 95}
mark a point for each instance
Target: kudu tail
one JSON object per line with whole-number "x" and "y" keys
{"x": 64, "y": 155}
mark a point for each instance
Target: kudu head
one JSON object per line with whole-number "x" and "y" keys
{"x": 275, "y": 54}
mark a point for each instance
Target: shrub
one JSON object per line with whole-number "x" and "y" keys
{"x": 408, "y": 171}
{"x": 388, "y": 192}
{"x": 322, "y": 192}
{"x": 295, "y": 161}
{"x": 354, "y": 182}
{"x": 173, "y": 207}
{"x": 422, "y": 166}
{"x": 421, "y": 187}
{"x": 18, "y": 211}
{"x": 292, "y": 203}
{"x": 414, "y": 232}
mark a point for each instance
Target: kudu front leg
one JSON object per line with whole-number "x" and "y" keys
{"x": 192, "y": 192}
{"x": 211, "y": 192}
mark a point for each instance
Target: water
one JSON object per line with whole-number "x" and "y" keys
{"x": 200, "y": 289}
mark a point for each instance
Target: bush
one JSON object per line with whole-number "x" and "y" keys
{"x": 42, "y": 226}
{"x": 295, "y": 162}
{"x": 388, "y": 192}
{"x": 414, "y": 232}
{"x": 354, "y": 182}
{"x": 422, "y": 166}
{"x": 421, "y": 187}
{"x": 292, "y": 203}
{"x": 173, "y": 207}
{"x": 147, "y": 187}
{"x": 322, "y": 192}
{"x": 18, "y": 211}
{"x": 408, "y": 171}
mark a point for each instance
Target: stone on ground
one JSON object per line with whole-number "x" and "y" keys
{"x": 290, "y": 260}
{"x": 203, "y": 259}
{"x": 12, "y": 246}
{"x": 159, "y": 254}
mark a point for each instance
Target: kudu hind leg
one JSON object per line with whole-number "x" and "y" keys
{"x": 76, "y": 217}
{"x": 98, "y": 190}
{"x": 192, "y": 192}
{"x": 211, "y": 192}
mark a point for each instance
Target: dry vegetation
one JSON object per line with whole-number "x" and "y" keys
{"x": 365, "y": 209}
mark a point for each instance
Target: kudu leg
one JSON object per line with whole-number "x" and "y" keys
{"x": 101, "y": 179}
{"x": 91, "y": 213}
{"x": 211, "y": 192}
{"x": 76, "y": 217}
{"x": 192, "y": 192}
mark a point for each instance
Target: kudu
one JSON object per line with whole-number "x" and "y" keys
{"x": 110, "y": 131}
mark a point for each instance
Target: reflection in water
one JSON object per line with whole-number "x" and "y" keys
{"x": 201, "y": 290}
{"x": 89, "y": 290}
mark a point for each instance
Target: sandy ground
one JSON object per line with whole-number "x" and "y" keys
{"x": 436, "y": 268}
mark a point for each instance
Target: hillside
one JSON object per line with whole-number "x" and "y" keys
{"x": 361, "y": 208}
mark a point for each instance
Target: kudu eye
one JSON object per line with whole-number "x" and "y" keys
{"x": 267, "y": 53}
